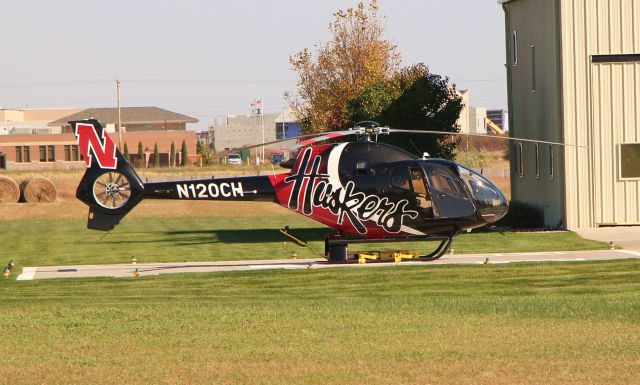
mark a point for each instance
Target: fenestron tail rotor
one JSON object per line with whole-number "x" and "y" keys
{"x": 112, "y": 190}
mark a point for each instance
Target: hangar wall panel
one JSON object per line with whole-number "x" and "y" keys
{"x": 615, "y": 121}
{"x": 535, "y": 104}
{"x": 599, "y": 109}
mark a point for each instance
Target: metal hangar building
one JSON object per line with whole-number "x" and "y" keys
{"x": 573, "y": 74}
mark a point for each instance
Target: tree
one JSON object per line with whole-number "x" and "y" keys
{"x": 414, "y": 99}
{"x": 200, "y": 148}
{"x": 356, "y": 57}
{"x": 141, "y": 154}
{"x": 172, "y": 155}
{"x": 156, "y": 156}
{"x": 185, "y": 155}
{"x": 126, "y": 152}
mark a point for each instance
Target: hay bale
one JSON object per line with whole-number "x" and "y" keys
{"x": 37, "y": 189}
{"x": 9, "y": 190}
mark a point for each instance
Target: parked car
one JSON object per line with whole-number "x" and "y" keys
{"x": 279, "y": 156}
{"x": 234, "y": 159}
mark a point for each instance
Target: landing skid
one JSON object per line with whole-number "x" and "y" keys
{"x": 336, "y": 246}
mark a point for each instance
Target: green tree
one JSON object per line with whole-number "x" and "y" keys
{"x": 200, "y": 148}
{"x": 415, "y": 99}
{"x": 172, "y": 155}
{"x": 156, "y": 156}
{"x": 126, "y": 152}
{"x": 185, "y": 154}
{"x": 356, "y": 57}
{"x": 141, "y": 153}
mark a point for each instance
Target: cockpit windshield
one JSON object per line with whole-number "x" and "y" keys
{"x": 490, "y": 202}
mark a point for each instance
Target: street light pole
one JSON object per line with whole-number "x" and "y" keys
{"x": 119, "y": 127}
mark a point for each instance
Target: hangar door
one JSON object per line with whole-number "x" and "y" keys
{"x": 615, "y": 118}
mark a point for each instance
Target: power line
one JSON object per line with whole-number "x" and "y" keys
{"x": 211, "y": 82}
{"x": 54, "y": 84}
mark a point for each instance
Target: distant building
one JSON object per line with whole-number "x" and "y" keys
{"x": 32, "y": 120}
{"x": 477, "y": 115}
{"x": 42, "y": 145}
{"x": 500, "y": 118}
{"x": 204, "y": 138}
{"x": 472, "y": 119}
{"x": 237, "y": 131}
{"x": 463, "y": 119}
{"x": 60, "y": 151}
{"x": 132, "y": 119}
{"x": 287, "y": 125}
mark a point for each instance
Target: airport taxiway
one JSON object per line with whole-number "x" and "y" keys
{"x": 146, "y": 269}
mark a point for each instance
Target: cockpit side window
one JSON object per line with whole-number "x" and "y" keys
{"x": 423, "y": 198}
{"x": 400, "y": 178}
{"x": 417, "y": 182}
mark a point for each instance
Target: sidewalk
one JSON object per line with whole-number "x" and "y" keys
{"x": 627, "y": 237}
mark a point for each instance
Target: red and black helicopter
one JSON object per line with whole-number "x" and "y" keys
{"x": 367, "y": 191}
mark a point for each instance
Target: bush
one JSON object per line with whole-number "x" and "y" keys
{"x": 522, "y": 215}
{"x": 475, "y": 159}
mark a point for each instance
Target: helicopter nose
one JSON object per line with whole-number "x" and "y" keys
{"x": 490, "y": 201}
{"x": 496, "y": 210}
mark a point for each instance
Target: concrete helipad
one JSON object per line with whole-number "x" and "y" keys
{"x": 145, "y": 269}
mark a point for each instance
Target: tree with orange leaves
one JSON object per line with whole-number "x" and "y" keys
{"x": 356, "y": 58}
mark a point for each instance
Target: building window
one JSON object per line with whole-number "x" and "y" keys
{"x": 71, "y": 153}
{"x": 281, "y": 130}
{"x": 537, "y": 161}
{"x": 520, "y": 160}
{"x": 47, "y": 153}
{"x": 514, "y": 48}
{"x": 551, "y": 161}
{"x": 23, "y": 154}
{"x": 630, "y": 160}
{"x": 533, "y": 68}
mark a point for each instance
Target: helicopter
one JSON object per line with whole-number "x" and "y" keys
{"x": 365, "y": 190}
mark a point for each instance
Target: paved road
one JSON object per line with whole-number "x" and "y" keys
{"x": 145, "y": 269}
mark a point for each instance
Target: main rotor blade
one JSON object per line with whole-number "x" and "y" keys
{"x": 279, "y": 141}
{"x": 392, "y": 130}
{"x": 327, "y": 136}
{"x": 320, "y": 136}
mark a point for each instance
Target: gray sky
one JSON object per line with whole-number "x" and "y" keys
{"x": 212, "y": 58}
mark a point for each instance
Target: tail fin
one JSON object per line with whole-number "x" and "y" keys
{"x": 110, "y": 186}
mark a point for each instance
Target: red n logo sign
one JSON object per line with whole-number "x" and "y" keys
{"x": 90, "y": 144}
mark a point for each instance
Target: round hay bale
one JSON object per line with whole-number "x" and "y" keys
{"x": 36, "y": 189}
{"x": 9, "y": 190}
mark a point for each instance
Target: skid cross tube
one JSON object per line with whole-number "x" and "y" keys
{"x": 336, "y": 244}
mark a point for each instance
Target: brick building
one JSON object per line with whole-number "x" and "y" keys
{"x": 60, "y": 151}
{"x": 140, "y": 125}
{"x": 132, "y": 119}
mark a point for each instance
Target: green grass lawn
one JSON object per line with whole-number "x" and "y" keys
{"x": 553, "y": 323}
{"x": 177, "y": 239}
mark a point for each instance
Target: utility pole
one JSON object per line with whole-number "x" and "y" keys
{"x": 262, "y": 120}
{"x": 284, "y": 111}
{"x": 119, "y": 127}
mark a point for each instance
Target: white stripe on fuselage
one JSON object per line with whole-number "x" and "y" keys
{"x": 333, "y": 170}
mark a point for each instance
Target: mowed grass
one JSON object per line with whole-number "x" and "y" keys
{"x": 548, "y": 323}
{"x": 37, "y": 242}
